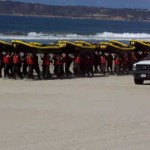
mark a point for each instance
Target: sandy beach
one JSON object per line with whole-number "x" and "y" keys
{"x": 101, "y": 113}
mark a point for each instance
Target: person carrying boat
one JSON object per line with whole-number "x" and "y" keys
{"x": 59, "y": 70}
{"x": 67, "y": 60}
{"x": 54, "y": 63}
{"x": 16, "y": 65}
{"x": 131, "y": 61}
{"x": 109, "y": 63}
{"x": 36, "y": 64}
{"x": 7, "y": 65}
{"x": 46, "y": 65}
{"x": 25, "y": 64}
{"x": 96, "y": 61}
{"x": 103, "y": 62}
{"x": 31, "y": 64}
{"x": 117, "y": 62}
{"x": 88, "y": 61}
{"x": 125, "y": 64}
{"x": 1, "y": 63}
{"x": 76, "y": 65}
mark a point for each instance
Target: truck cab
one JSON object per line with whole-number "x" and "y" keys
{"x": 141, "y": 70}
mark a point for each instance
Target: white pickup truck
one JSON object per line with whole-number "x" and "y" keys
{"x": 141, "y": 70}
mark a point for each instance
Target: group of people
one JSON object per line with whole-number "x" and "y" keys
{"x": 26, "y": 65}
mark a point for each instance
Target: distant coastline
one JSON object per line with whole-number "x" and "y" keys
{"x": 70, "y": 17}
{"x": 75, "y": 12}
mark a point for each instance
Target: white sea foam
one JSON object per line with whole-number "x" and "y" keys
{"x": 97, "y": 37}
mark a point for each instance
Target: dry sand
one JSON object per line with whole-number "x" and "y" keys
{"x": 103, "y": 113}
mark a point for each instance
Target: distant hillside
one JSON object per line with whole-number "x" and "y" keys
{"x": 28, "y": 9}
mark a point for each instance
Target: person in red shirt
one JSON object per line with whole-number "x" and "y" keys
{"x": 125, "y": 64}
{"x": 46, "y": 65}
{"x": 16, "y": 65}
{"x": 117, "y": 65}
{"x": 76, "y": 65}
{"x": 59, "y": 66}
{"x": 7, "y": 59}
{"x": 30, "y": 62}
{"x": 103, "y": 64}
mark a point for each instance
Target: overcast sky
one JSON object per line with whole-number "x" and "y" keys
{"x": 97, "y": 3}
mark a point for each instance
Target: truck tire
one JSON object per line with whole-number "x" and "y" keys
{"x": 138, "y": 81}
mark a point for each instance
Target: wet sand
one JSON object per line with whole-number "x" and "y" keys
{"x": 102, "y": 113}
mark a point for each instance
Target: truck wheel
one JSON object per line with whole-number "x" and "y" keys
{"x": 138, "y": 81}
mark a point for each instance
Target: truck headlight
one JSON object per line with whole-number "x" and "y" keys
{"x": 134, "y": 67}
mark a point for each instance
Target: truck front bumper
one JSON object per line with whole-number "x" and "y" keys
{"x": 145, "y": 75}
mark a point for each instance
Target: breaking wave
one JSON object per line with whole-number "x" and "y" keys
{"x": 94, "y": 37}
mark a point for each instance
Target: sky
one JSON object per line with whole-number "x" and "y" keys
{"x": 142, "y": 4}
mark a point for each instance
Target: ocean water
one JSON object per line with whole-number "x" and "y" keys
{"x": 49, "y": 30}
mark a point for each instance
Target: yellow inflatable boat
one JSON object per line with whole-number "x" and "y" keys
{"x": 116, "y": 47}
{"x": 37, "y": 47}
{"x": 140, "y": 45}
{"x": 5, "y": 46}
